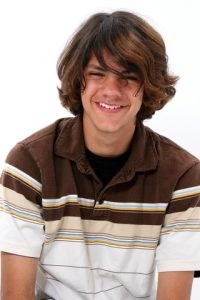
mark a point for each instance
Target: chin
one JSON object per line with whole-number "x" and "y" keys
{"x": 108, "y": 128}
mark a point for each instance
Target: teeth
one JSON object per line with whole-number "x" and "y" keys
{"x": 109, "y": 106}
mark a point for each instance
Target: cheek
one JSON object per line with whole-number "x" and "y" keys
{"x": 86, "y": 93}
{"x": 86, "y": 97}
{"x": 135, "y": 95}
{"x": 84, "y": 100}
{"x": 136, "y": 101}
{"x": 139, "y": 96}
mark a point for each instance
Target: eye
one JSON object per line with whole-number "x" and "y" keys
{"x": 130, "y": 77}
{"x": 95, "y": 74}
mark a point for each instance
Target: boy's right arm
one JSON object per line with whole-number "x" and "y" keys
{"x": 18, "y": 277}
{"x": 21, "y": 224}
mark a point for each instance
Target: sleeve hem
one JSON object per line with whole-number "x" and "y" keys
{"x": 169, "y": 265}
{"x": 10, "y": 248}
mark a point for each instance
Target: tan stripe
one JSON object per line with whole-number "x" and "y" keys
{"x": 182, "y": 204}
{"x": 190, "y": 214}
{"x": 21, "y": 188}
{"x": 91, "y": 226}
{"x": 18, "y": 199}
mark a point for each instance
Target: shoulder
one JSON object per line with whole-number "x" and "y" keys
{"x": 169, "y": 151}
{"x": 176, "y": 166}
{"x": 44, "y": 138}
{"x": 46, "y": 133}
{"x": 28, "y": 153}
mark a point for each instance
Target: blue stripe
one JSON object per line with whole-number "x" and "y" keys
{"x": 22, "y": 175}
{"x": 106, "y": 204}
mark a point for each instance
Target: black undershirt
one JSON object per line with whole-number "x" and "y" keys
{"x": 106, "y": 167}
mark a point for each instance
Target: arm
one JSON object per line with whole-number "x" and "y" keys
{"x": 18, "y": 277}
{"x": 174, "y": 285}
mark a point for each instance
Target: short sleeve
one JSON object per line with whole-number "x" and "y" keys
{"x": 179, "y": 246}
{"x": 21, "y": 222}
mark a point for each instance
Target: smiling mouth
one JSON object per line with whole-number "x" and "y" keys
{"x": 110, "y": 107}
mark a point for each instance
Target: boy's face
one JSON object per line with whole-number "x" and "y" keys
{"x": 110, "y": 103}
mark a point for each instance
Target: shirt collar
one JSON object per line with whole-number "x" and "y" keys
{"x": 70, "y": 140}
{"x": 70, "y": 144}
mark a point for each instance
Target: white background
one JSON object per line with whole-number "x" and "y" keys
{"x": 34, "y": 32}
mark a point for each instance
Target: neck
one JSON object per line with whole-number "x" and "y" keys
{"x": 107, "y": 144}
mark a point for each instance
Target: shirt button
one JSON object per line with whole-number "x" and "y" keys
{"x": 101, "y": 201}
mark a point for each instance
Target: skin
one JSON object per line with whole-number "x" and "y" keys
{"x": 18, "y": 277}
{"x": 174, "y": 285}
{"x": 107, "y": 133}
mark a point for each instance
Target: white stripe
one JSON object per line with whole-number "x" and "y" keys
{"x": 187, "y": 190}
{"x": 23, "y": 175}
{"x": 63, "y": 200}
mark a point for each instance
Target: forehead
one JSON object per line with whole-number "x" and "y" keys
{"x": 109, "y": 60}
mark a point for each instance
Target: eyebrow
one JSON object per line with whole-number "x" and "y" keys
{"x": 100, "y": 68}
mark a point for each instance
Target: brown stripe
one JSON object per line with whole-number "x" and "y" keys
{"x": 20, "y": 187}
{"x": 21, "y": 158}
{"x": 133, "y": 217}
{"x": 183, "y": 204}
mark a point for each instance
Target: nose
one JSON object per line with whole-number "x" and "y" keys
{"x": 111, "y": 85}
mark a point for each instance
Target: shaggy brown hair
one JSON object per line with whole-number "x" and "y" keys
{"x": 135, "y": 46}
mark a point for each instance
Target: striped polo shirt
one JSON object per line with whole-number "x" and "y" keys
{"x": 94, "y": 241}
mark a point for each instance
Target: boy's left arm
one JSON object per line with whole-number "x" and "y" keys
{"x": 177, "y": 254}
{"x": 174, "y": 285}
